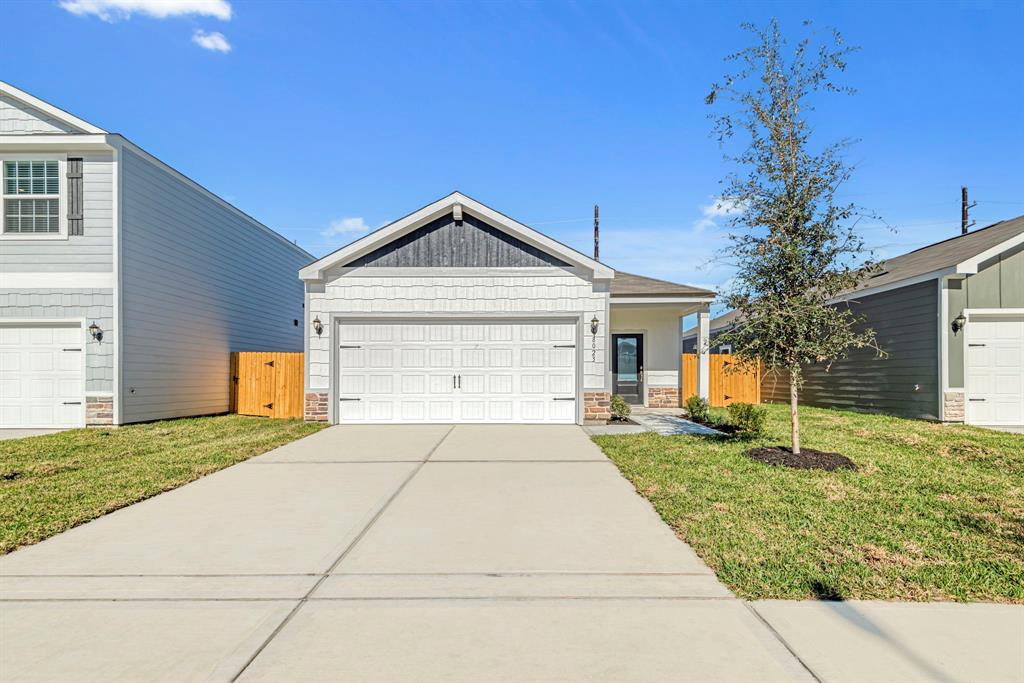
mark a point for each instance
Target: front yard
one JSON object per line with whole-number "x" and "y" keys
{"x": 51, "y": 483}
{"x": 935, "y": 512}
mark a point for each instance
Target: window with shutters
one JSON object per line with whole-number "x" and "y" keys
{"x": 33, "y": 197}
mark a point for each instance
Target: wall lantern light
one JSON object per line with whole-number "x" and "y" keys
{"x": 95, "y": 332}
{"x": 958, "y": 323}
{"x": 593, "y": 325}
{"x": 318, "y": 326}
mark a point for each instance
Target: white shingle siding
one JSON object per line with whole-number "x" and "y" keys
{"x": 199, "y": 280}
{"x": 18, "y": 119}
{"x": 549, "y": 292}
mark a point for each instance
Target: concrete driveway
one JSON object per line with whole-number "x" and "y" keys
{"x": 473, "y": 553}
{"x": 384, "y": 553}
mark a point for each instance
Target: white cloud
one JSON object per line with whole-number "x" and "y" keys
{"x": 114, "y": 10}
{"x": 718, "y": 208}
{"x": 214, "y": 40}
{"x": 344, "y": 226}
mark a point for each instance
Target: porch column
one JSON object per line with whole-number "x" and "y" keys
{"x": 703, "y": 346}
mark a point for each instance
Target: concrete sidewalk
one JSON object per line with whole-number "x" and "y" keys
{"x": 422, "y": 553}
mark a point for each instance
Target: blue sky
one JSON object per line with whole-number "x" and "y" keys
{"x": 326, "y": 119}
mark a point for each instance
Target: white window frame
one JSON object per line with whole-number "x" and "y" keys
{"x": 62, "y": 197}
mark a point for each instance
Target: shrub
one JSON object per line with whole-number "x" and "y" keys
{"x": 699, "y": 409}
{"x": 620, "y": 409}
{"x": 748, "y": 418}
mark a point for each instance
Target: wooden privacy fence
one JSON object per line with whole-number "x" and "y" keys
{"x": 730, "y": 381}
{"x": 267, "y": 384}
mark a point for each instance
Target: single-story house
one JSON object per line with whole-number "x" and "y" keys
{"x": 124, "y": 284}
{"x": 950, "y": 317}
{"x": 458, "y": 313}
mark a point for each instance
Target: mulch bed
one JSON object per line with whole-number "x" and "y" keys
{"x": 723, "y": 427}
{"x": 809, "y": 459}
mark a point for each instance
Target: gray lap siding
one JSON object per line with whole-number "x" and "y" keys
{"x": 905, "y": 382}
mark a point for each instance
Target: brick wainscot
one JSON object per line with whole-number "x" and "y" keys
{"x": 99, "y": 410}
{"x": 663, "y": 397}
{"x": 316, "y": 407}
{"x": 597, "y": 406}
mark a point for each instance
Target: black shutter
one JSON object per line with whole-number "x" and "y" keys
{"x": 75, "y": 199}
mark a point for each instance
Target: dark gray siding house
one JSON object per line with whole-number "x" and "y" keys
{"x": 950, "y": 320}
{"x": 903, "y": 382}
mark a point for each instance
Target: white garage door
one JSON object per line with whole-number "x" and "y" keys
{"x": 41, "y": 376}
{"x": 995, "y": 370}
{"x": 457, "y": 372}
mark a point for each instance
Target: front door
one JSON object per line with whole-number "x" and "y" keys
{"x": 628, "y": 367}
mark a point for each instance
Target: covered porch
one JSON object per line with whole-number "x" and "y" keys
{"x": 646, "y": 323}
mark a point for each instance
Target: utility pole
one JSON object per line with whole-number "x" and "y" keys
{"x": 964, "y": 208}
{"x": 597, "y": 232}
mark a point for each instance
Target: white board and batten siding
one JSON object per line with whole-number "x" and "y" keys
{"x": 505, "y": 307}
{"x": 199, "y": 280}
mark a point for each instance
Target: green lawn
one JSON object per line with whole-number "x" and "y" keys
{"x": 54, "y": 482}
{"x": 935, "y": 512}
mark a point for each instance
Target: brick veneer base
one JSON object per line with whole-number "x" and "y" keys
{"x": 597, "y": 405}
{"x": 99, "y": 410}
{"x": 663, "y": 397}
{"x": 316, "y": 407}
{"x": 953, "y": 406}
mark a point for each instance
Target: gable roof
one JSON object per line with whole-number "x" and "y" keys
{"x": 443, "y": 206}
{"x": 628, "y": 284}
{"x": 56, "y": 113}
{"x": 960, "y": 254}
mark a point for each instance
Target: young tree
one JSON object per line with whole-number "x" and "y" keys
{"x": 794, "y": 245}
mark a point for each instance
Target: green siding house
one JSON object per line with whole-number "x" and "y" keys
{"x": 950, "y": 318}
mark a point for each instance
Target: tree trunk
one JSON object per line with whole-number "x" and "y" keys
{"x": 794, "y": 418}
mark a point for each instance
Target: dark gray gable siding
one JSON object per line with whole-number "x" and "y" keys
{"x": 443, "y": 243}
{"x": 904, "y": 383}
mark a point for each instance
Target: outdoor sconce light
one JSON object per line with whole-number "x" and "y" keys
{"x": 958, "y": 323}
{"x": 593, "y": 325}
{"x": 95, "y": 332}
{"x": 318, "y": 326}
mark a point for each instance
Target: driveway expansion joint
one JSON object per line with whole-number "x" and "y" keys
{"x": 778, "y": 636}
{"x": 344, "y": 553}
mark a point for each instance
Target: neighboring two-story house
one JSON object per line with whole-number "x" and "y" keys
{"x": 124, "y": 285}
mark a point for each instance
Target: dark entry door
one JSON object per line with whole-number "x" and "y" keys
{"x": 628, "y": 367}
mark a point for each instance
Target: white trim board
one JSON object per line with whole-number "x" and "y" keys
{"x": 49, "y": 280}
{"x": 420, "y": 217}
{"x": 970, "y": 266}
{"x": 659, "y": 300}
{"x": 47, "y": 108}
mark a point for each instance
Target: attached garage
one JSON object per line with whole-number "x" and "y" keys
{"x": 457, "y": 313}
{"x": 465, "y": 371}
{"x": 994, "y": 368}
{"x": 42, "y": 375}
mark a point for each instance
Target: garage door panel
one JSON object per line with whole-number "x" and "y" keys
{"x": 442, "y": 384}
{"x": 42, "y": 380}
{"x": 442, "y": 358}
{"x": 473, "y": 372}
{"x": 995, "y": 371}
